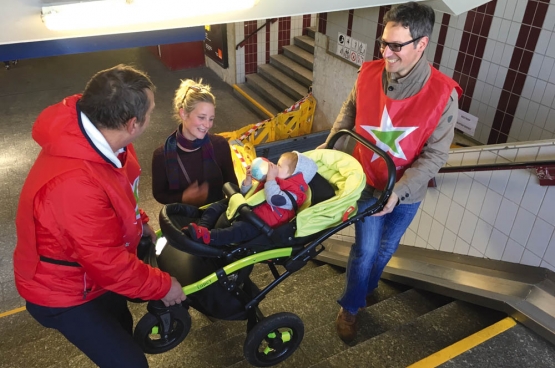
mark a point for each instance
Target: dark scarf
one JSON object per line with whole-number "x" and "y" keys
{"x": 175, "y": 140}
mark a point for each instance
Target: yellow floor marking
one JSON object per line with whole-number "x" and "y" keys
{"x": 465, "y": 344}
{"x": 13, "y": 311}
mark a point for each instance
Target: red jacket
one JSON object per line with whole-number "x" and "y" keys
{"x": 77, "y": 206}
{"x": 275, "y": 216}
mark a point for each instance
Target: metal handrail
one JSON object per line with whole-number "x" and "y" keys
{"x": 241, "y": 44}
{"x": 497, "y": 166}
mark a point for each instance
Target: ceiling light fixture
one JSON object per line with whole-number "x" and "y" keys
{"x": 61, "y": 15}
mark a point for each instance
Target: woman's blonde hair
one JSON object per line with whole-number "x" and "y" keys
{"x": 189, "y": 94}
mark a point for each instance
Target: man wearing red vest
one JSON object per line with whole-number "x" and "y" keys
{"x": 408, "y": 109}
{"x": 78, "y": 222}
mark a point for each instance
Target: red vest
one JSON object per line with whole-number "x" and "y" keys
{"x": 401, "y": 128}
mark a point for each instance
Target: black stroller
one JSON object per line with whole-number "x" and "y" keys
{"x": 217, "y": 278}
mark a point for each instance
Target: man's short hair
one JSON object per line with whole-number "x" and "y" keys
{"x": 114, "y": 96}
{"x": 417, "y": 17}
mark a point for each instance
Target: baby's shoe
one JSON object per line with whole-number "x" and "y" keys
{"x": 199, "y": 233}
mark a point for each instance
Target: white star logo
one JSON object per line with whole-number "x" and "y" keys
{"x": 388, "y": 137}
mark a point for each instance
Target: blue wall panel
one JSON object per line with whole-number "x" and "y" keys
{"x": 66, "y": 46}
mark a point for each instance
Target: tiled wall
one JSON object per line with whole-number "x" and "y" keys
{"x": 268, "y": 41}
{"x": 501, "y": 53}
{"x": 501, "y": 215}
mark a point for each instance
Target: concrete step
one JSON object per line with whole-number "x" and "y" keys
{"x": 255, "y": 96}
{"x": 305, "y": 42}
{"x": 291, "y": 68}
{"x": 414, "y": 340}
{"x": 269, "y": 92}
{"x": 291, "y": 87}
{"x": 311, "y": 32}
{"x": 300, "y": 56}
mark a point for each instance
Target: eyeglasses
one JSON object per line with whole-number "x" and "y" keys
{"x": 394, "y": 46}
{"x": 197, "y": 89}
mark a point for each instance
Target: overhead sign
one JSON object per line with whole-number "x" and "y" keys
{"x": 351, "y": 49}
{"x": 215, "y": 44}
{"x": 466, "y": 123}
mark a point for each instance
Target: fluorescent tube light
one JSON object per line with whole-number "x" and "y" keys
{"x": 116, "y": 13}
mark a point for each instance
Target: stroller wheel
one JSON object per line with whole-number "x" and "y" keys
{"x": 148, "y": 333}
{"x": 273, "y": 339}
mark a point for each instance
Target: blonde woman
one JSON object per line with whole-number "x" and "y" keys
{"x": 192, "y": 166}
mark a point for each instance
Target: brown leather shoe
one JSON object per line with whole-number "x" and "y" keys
{"x": 346, "y": 325}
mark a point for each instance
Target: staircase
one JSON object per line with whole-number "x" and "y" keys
{"x": 285, "y": 80}
{"x": 402, "y": 326}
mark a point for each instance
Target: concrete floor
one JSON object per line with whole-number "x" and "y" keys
{"x": 34, "y": 84}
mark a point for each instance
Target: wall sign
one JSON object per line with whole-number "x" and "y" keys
{"x": 466, "y": 123}
{"x": 351, "y": 49}
{"x": 215, "y": 44}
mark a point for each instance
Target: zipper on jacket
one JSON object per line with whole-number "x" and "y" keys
{"x": 85, "y": 291}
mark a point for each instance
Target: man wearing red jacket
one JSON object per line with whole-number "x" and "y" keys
{"x": 78, "y": 222}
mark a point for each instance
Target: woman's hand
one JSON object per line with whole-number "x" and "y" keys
{"x": 389, "y": 206}
{"x": 195, "y": 194}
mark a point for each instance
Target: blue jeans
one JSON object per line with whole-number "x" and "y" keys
{"x": 376, "y": 239}
{"x": 101, "y": 328}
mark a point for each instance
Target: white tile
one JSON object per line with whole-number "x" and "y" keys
{"x": 468, "y": 226}
{"x": 525, "y": 131}
{"x": 494, "y": 29}
{"x": 546, "y": 152}
{"x": 508, "y": 153}
{"x": 523, "y": 226}
{"x": 461, "y": 247}
{"x": 516, "y": 127}
{"x": 448, "y": 241}
{"x": 494, "y": 67}
{"x": 454, "y": 218}
{"x": 470, "y": 158}
{"x": 506, "y": 59}
{"x": 473, "y": 252}
{"x": 519, "y": 11}
{"x": 448, "y": 185}
{"x": 539, "y": 237}
{"x": 528, "y": 88}
{"x": 499, "y": 180}
{"x": 550, "y": 123}
{"x": 513, "y": 252}
{"x": 453, "y": 58}
{"x": 442, "y": 208}
{"x": 510, "y": 9}
{"x": 547, "y": 207}
{"x": 424, "y": 226}
{"x": 543, "y": 42}
{"x": 536, "y": 133}
{"x": 501, "y": 75}
{"x": 486, "y": 96}
{"x": 500, "y": 8}
{"x": 539, "y": 91}
{"x": 476, "y": 200}
{"x": 481, "y": 236}
{"x": 548, "y": 94}
{"x": 409, "y": 238}
{"x": 527, "y": 154}
{"x": 478, "y": 89}
{"x": 462, "y": 189}
{"x": 421, "y": 243}
{"x": 533, "y": 195}
{"x": 487, "y": 157}
{"x": 550, "y": 49}
{"x": 549, "y": 22}
{"x": 496, "y": 246}
{"x": 430, "y": 202}
{"x": 513, "y": 33}
{"x": 522, "y": 108}
{"x": 530, "y": 259}
{"x": 506, "y": 216}
{"x": 483, "y": 177}
{"x": 503, "y": 32}
{"x": 535, "y": 65}
{"x": 532, "y": 111}
{"x": 436, "y": 233}
{"x": 550, "y": 252}
{"x": 455, "y": 159}
{"x": 490, "y": 207}
{"x": 541, "y": 117}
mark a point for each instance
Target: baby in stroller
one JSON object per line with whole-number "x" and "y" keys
{"x": 285, "y": 190}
